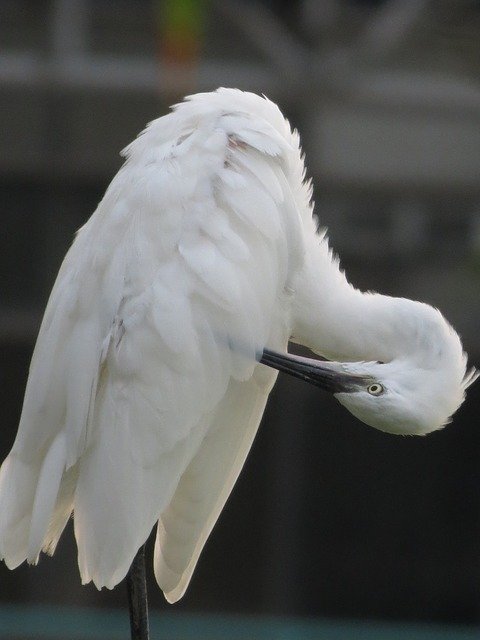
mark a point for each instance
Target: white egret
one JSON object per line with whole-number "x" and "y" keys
{"x": 145, "y": 391}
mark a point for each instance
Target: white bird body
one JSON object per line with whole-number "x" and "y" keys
{"x": 145, "y": 391}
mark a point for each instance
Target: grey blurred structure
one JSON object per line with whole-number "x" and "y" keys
{"x": 386, "y": 96}
{"x": 387, "y": 100}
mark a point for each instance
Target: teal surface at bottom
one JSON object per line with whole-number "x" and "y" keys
{"x": 62, "y": 623}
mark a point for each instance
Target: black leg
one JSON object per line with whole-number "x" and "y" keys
{"x": 137, "y": 597}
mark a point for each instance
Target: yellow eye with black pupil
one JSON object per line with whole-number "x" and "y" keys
{"x": 375, "y": 389}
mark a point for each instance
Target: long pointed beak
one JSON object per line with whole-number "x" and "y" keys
{"x": 326, "y": 375}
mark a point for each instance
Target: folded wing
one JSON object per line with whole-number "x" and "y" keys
{"x": 143, "y": 395}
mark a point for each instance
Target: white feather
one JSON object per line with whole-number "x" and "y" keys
{"x": 144, "y": 393}
{"x": 206, "y": 484}
{"x": 46, "y": 493}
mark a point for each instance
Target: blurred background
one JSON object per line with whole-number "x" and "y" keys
{"x": 333, "y": 530}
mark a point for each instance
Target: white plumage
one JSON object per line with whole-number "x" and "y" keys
{"x": 145, "y": 392}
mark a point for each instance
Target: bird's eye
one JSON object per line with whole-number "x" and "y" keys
{"x": 375, "y": 389}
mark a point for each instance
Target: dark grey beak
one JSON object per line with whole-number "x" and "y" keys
{"x": 326, "y": 375}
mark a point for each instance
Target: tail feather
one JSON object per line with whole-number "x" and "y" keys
{"x": 18, "y": 481}
{"x": 31, "y": 514}
{"x": 62, "y": 511}
{"x": 46, "y": 494}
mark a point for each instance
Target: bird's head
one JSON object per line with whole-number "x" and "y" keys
{"x": 399, "y": 397}
{"x": 413, "y": 393}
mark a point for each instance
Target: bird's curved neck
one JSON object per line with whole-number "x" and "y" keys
{"x": 340, "y": 322}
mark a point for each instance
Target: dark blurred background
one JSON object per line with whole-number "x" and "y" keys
{"x": 329, "y": 518}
